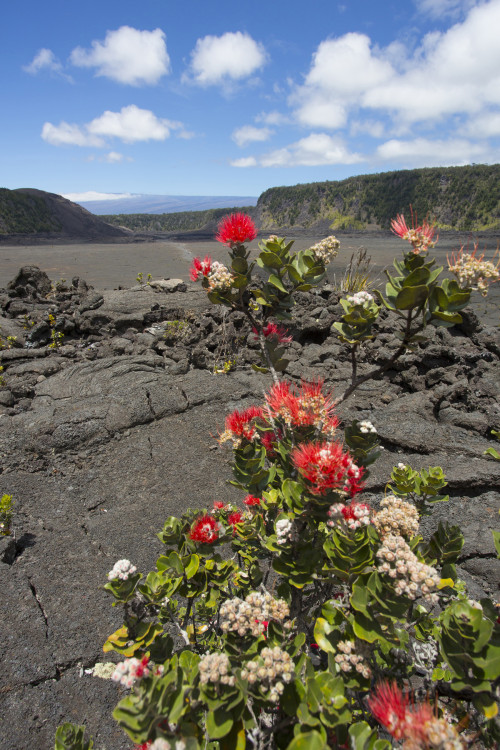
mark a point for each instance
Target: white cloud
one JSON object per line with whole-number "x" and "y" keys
{"x": 444, "y": 8}
{"x": 45, "y": 58}
{"x": 130, "y": 124}
{"x": 249, "y": 134}
{"x": 342, "y": 70}
{"x": 114, "y": 157}
{"x": 66, "y": 134}
{"x": 315, "y": 150}
{"x": 427, "y": 153}
{"x": 246, "y": 161}
{"x": 373, "y": 128}
{"x": 487, "y": 125}
{"x": 127, "y": 56}
{"x": 230, "y": 57}
{"x": 93, "y": 195}
{"x": 452, "y": 73}
{"x": 272, "y": 118}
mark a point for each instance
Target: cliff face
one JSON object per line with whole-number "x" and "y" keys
{"x": 461, "y": 198}
{"x": 27, "y": 211}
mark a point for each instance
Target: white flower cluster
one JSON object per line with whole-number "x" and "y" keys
{"x": 326, "y": 250}
{"x": 215, "y": 668}
{"x": 349, "y": 661}
{"x": 162, "y": 744}
{"x": 121, "y": 569}
{"x": 283, "y": 530}
{"x": 396, "y": 517}
{"x": 365, "y": 427}
{"x": 130, "y": 671}
{"x": 361, "y": 298}
{"x": 219, "y": 278}
{"x": 248, "y": 616}
{"x": 272, "y": 669}
{"x": 412, "y": 578}
{"x": 475, "y": 273}
{"x": 354, "y": 515}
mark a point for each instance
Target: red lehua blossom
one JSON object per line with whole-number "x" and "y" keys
{"x": 251, "y": 500}
{"x": 205, "y": 530}
{"x": 348, "y": 511}
{"x": 325, "y": 466}
{"x": 267, "y": 439}
{"x": 200, "y": 267}
{"x": 144, "y": 745}
{"x": 235, "y": 518}
{"x": 272, "y": 329}
{"x": 236, "y": 229}
{"x": 218, "y": 505}
{"x": 421, "y": 237}
{"x": 240, "y": 424}
{"x": 139, "y": 672}
{"x": 310, "y": 406}
{"x": 390, "y": 707}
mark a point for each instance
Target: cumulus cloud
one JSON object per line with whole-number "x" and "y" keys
{"x": 249, "y": 134}
{"x": 130, "y": 124}
{"x": 127, "y": 55}
{"x": 342, "y": 70}
{"x": 230, "y": 57}
{"x": 315, "y": 150}
{"x": 272, "y": 118}
{"x": 245, "y": 161}
{"x": 452, "y": 73}
{"x": 428, "y": 153}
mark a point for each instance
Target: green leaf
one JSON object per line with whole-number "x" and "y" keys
{"x": 71, "y": 737}
{"x": 219, "y": 723}
{"x": 308, "y": 741}
{"x": 271, "y": 259}
{"x": 277, "y": 282}
{"x": 410, "y": 297}
{"x": 192, "y": 565}
{"x": 239, "y": 265}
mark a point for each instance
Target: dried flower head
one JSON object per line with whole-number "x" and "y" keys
{"x": 411, "y": 577}
{"x": 251, "y": 615}
{"x": 216, "y": 668}
{"x": 350, "y": 661}
{"x": 396, "y": 517}
{"x": 273, "y": 668}
{"x": 472, "y": 271}
{"x": 326, "y": 250}
{"x": 236, "y": 229}
{"x": 131, "y": 671}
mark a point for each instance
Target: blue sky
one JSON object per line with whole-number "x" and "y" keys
{"x": 191, "y": 97}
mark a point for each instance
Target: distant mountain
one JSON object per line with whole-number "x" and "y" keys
{"x": 165, "y": 204}
{"x": 459, "y": 198}
{"x": 27, "y": 211}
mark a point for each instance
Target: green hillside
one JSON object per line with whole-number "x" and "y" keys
{"x": 25, "y": 214}
{"x": 461, "y": 198}
{"x": 184, "y": 221}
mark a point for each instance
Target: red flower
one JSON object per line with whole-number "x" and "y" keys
{"x": 205, "y": 530}
{"x": 236, "y": 229}
{"x": 326, "y": 467}
{"x": 200, "y": 267}
{"x": 218, "y": 505}
{"x": 389, "y": 706}
{"x": 421, "y": 237}
{"x": 251, "y": 500}
{"x": 310, "y": 406}
{"x": 235, "y": 518}
{"x": 240, "y": 424}
{"x": 272, "y": 329}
